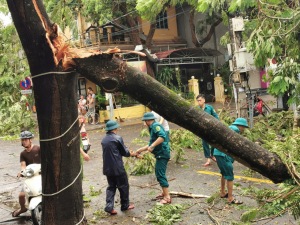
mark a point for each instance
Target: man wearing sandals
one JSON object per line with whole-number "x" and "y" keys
{"x": 225, "y": 164}
{"x": 113, "y": 167}
{"x": 159, "y": 146}
{"x": 208, "y": 152}
{"x": 30, "y": 155}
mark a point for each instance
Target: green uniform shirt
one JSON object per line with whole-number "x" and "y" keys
{"x": 210, "y": 110}
{"x": 162, "y": 150}
{"x": 218, "y": 153}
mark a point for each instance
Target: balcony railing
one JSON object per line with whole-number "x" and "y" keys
{"x": 88, "y": 40}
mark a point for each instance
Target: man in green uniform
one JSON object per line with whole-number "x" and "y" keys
{"x": 159, "y": 146}
{"x": 225, "y": 164}
{"x": 208, "y": 152}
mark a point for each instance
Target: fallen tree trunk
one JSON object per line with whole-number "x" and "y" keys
{"x": 112, "y": 74}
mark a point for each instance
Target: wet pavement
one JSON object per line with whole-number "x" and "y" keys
{"x": 186, "y": 174}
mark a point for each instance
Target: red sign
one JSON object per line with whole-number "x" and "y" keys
{"x": 25, "y": 84}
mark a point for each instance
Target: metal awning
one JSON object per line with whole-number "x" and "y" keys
{"x": 187, "y": 56}
{"x": 188, "y": 52}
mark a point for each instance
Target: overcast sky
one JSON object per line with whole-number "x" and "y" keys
{"x": 5, "y": 19}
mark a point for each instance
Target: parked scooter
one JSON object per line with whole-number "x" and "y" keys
{"x": 33, "y": 191}
{"x": 85, "y": 142}
{"x": 259, "y": 108}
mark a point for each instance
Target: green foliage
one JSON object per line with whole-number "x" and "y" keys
{"x": 275, "y": 132}
{"x": 145, "y": 133}
{"x": 99, "y": 214}
{"x": 165, "y": 75}
{"x": 13, "y": 68}
{"x": 249, "y": 215}
{"x": 144, "y": 166}
{"x": 139, "y": 142}
{"x": 248, "y": 172}
{"x": 180, "y": 139}
{"x": 213, "y": 197}
{"x": 165, "y": 214}
{"x": 93, "y": 192}
{"x": 64, "y": 12}
{"x": 225, "y": 39}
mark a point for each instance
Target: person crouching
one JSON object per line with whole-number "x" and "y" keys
{"x": 113, "y": 168}
{"x": 159, "y": 146}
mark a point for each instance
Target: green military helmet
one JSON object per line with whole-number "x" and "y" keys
{"x": 148, "y": 116}
{"x": 241, "y": 122}
{"x": 26, "y": 135}
{"x": 111, "y": 125}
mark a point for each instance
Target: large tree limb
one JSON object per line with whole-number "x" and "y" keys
{"x": 112, "y": 74}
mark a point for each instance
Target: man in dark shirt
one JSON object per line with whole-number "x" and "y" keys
{"x": 30, "y": 155}
{"x": 113, "y": 167}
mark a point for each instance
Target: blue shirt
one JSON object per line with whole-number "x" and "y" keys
{"x": 113, "y": 150}
{"x": 162, "y": 150}
{"x": 210, "y": 110}
{"x": 218, "y": 153}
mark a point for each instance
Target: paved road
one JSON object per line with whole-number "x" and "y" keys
{"x": 186, "y": 174}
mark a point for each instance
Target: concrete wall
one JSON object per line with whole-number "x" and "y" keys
{"x": 185, "y": 32}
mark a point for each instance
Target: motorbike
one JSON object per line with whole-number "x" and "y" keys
{"x": 86, "y": 145}
{"x": 33, "y": 191}
{"x": 259, "y": 108}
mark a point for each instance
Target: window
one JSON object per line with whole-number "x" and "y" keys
{"x": 81, "y": 87}
{"x": 162, "y": 21}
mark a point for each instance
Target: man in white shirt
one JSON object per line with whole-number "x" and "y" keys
{"x": 163, "y": 122}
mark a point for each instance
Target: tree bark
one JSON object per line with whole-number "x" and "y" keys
{"x": 211, "y": 31}
{"x": 55, "y": 98}
{"x": 112, "y": 74}
{"x": 208, "y": 36}
{"x": 150, "y": 35}
{"x": 192, "y": 26}
{"x": 135, "y": 37}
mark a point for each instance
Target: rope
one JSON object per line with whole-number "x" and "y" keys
{"x": 51, "y": 139}
{"x": 42, "y": 74}
{"x": 47, "y": 195}
{"x": 81, "y": 219}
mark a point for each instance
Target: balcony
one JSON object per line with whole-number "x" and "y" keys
{"x": 102, "y": 39}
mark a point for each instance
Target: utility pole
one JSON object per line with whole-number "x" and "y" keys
{"x": 238, "y": 64}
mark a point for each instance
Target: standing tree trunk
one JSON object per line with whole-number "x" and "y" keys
{"x": 55, "y": 97}
{"x": 193, "y": 30}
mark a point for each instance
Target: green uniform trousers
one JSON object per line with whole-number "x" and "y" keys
{"x": 208, "y": 152}
{"x": 160, "y": 172}
{"x": 225, "y": 166}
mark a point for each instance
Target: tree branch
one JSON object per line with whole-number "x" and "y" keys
{"x": 192, "y": 26}
{"x": 211, "y": 31}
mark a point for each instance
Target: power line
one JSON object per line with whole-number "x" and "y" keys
{"x": 136, "y": 27}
